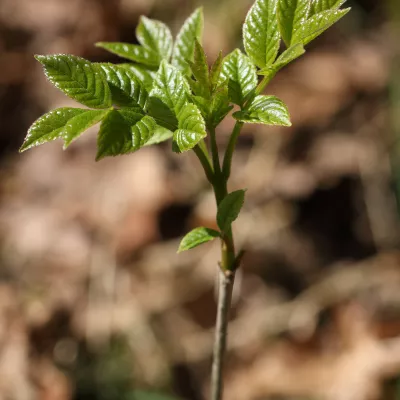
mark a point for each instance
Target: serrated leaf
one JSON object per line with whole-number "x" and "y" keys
{"x": 318, "y": 6}
{"x": 197, "y": 237}
{"x": 318, "y": 24}
{"x": 160, "y": 135}
{"x": 155, "y": 36}
{"x": 241, "y": 75}
{"x": 229, "y": 209}
{"x": 170, "y": 87}
{"x": 268, "y": 110}
{"x": 191, "y": 128}
{"x": 78, "y": 79}
{"x": 142, "y": 131}
{"x": 191, "y": 30}
{"x": 78, "y": 124}
{"x": 292, "y": 14}
{"x": 126, "y": 89}
{"x": 220, "y": 106}
{"x": 215, "y": 71}
{"x": 143, "y": 74}
{"x": 200, "y": 71}
{"x": 163, "y": 115}
{"x": 132, "y": 52}
{"x": 115, "y": 135}
{"x": 49, "y": 126}
{"x": 285, "y": 58}
{"x": 261, "y": 37}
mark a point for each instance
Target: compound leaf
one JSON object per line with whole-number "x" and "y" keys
{"x": 197, "y": 237}
{"x": 191, "y": 128}
{"x": 126, "y": 89}
{"x": 317, "y": 24}
{"x": 78, "y": 79}
{"x": 292, "y": 14}
{"x": 241, "y": 75}
{"x": 115, "y": 136}
{"x": 229, "y": 209}
{"x": 132, "y": 52}
{"x": 268, "y": 110}
{"x": 191, "y": 30}
{"x": 261, "y": 37}
{"x": 155, "y": 36}
{"x": 78, "y": 124}
{"x": 49, "y": 126}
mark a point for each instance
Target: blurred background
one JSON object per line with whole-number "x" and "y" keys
{"x": 94, "y": 301}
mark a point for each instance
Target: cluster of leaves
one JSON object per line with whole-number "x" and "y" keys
{"x": 167, "y": 89}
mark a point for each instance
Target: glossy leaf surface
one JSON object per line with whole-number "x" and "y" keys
{"x": 78, "y": 79}
{"x": 318, "y": 6}
{"x": 261, "y": 37}
{"x": 197, "y": 237}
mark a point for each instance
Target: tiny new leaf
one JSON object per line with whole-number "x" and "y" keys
{"x": 155, "y": 36}
{"x": 191, "y": 128}
{"x": 261, "y": 37}
{"x": 268, "y": 110}
{"x": 241, "y": 75}
{"x": 200, "y": 71}
{"x": 77, "y": 78}
{"x": 191, "y": 31}
{"x": 197, "y": 237}
{"x": 229, "y": 209}
{"x": 292, "y": 14}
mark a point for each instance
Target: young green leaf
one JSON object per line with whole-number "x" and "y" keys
{"x": 160, "y": 135}
{"x": 191, "y": 30}
{"x": 220, "y": 106}
{"x": 229, "y": 209}
{"x": 285, "y": 58}
{"x": 132, "y": 52}
{"x": 292, "y": 14}
{"x": 215, "y": 71}
{"x": 197, "y": 237}
{"x": 191, "y": 128}
{"x": 318, "y": 6}
{"x": 49, "y": 126}
{"x": 78, "y": 124}
{"x": 200, "y": 71}
{"x": 268, "y": 110}
{"x": 260, "y": 33}
{"x": 317, "y": 24}
{"x": 163, "y": 115}
{"x": 143, "y": 74}
{"x": 126, "y": 89}
{"x": 155, "y": 36}
{"x": 115, "y": 136}
{"x": 241, "y": 75}
{"x": 142, "y": 131}
{"x": 170, "y": 87}
{"x": 78, "y": 79}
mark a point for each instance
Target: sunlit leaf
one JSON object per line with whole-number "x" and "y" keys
{"x": 197, "y": 237}
{"x": 191, "y": 30}
{"x": 78, "y": 79}
{"x": 261, "y": 37}
{"x": 268, "y": 110}
{"x": 229, "y": 209}
{"x": 318, "y": 6}
{"x": 142, "y": 131}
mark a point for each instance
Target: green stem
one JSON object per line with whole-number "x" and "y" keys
{"x": 214, "y": 152}
{"x": 226, "y": 167}
{"x": 202, "y": 154}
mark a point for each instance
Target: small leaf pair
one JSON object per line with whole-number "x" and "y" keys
{"x": 227, "y": 213}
